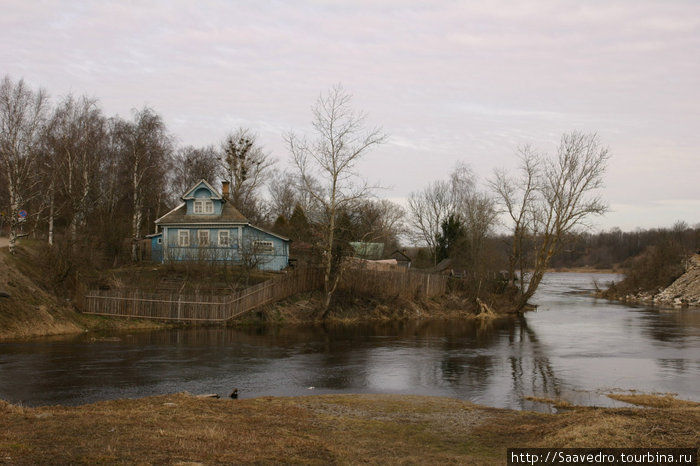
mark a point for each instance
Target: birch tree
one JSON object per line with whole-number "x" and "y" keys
{"x": 146, "y": 149}
{"x": 22, "y": 116}
{"x": 551, "y": 198}
{"x": 331, "y": 161}
{"x": 76, "y": 137}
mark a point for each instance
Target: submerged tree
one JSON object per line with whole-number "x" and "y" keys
{"x": 548, "y": 200}
{"x": 327, "y": 172}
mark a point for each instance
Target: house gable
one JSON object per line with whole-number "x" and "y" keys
{"x": 202, "y": 199}
{"x": 200, "y": 190}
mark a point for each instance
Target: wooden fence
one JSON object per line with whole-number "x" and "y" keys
{"x": 206, "y": 307}
{"x": 199, "y": 307}
{"x": 405, "y": 284}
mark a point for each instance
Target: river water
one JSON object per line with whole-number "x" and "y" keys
{"x": 573, "y": 347}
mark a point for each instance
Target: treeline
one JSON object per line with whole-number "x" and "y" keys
{"x": 93, "y": 183}
{"x": 615, "y": 248}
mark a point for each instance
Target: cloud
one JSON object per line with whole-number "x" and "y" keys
{"x": 446, "y": 80}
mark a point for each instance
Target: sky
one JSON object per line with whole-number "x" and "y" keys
{"x": 447, "y": 81}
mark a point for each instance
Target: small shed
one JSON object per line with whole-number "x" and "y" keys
{"x": 401, "y": 258}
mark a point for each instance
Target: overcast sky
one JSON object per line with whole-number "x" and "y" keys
{"x": 447, "y": 80}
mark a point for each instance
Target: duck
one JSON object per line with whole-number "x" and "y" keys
{"x": 234, "y": 394}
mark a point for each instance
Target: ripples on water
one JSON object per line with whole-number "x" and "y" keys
{"x": 574, "y": 347}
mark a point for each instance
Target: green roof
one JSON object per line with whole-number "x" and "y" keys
{"x": 370, "y": 251}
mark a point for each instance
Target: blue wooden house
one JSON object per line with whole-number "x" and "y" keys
{"x": 207, "y": 227}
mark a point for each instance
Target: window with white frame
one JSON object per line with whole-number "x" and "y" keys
{"x": 203, "y": 238}
{"x": 224, "y": 238}
{"x": 203, "y": 207}
{"x": 263, "y": 247}
{"x": 183, "y": 238}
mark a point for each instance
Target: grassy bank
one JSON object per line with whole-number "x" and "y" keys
{"x": 329, "y": 429}
{"x": 33, "y": 307}
{"x": 38, "y": 305}
{"x": 307, "y": 308}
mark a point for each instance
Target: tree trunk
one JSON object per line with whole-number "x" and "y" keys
{"x": 14, "y": 220}
{"x": 51, "y": 215}
{"x": 136, "y": 219}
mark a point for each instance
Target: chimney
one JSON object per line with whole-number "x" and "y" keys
{"x": 224, "y": 189}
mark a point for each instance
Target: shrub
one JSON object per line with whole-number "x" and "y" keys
{"x": 655, "y": 268}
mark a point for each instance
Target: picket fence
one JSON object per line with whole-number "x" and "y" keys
{"x": 405, "y": 284}
{"x": 207, "y": 307}
{"x": 199, "y": 307}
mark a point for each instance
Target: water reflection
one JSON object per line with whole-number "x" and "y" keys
{"x": 574, "y": 347}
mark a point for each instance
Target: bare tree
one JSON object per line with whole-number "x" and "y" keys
{"x": 247, "y": 167}
{"x": 76, "y": 137}
{"x": 22, "y": 116}
{"x": 146, "y": 148}
{"x": 331, "y": 159}
{"x": 550, "y": 199}
{"x": 479, "y": 216}
{"x": 191, "y": 164}
{"x": 429, "y": 209}
{"x": 252, "y": 255}
{"x": 433, "y": 206}
{"x": 379, "y": 221}
{"x": 285, "y": 193}
{"x": 517, "y": 197}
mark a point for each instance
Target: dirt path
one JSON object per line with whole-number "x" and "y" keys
{"x": 4, "y": 242}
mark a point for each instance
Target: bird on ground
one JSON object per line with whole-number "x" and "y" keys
{"x": 234, "y": 394}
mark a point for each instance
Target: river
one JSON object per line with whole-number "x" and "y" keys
{"x": 574, "y": 347}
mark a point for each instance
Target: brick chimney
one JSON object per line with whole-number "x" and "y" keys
{"x": 224, "y": 189}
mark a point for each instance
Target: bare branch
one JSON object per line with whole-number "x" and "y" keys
{"x": 327, "y": 166}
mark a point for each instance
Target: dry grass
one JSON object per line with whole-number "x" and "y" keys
{"x": 558, "y": 403}
{"x": 330, "y": 429}
{"x": 658, "y": 400}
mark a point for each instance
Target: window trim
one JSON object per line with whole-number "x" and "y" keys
{"x": 208, "y": 207}
{"x": 224, "y": 234}
{"x": 266, "y": 246}
{"x": 183, "y": 235}
{"x": 203, "y": 207}
{"x": 203, "y": 234}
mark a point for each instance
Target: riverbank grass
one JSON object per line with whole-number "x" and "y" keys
{"x": 327, "y": 429}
